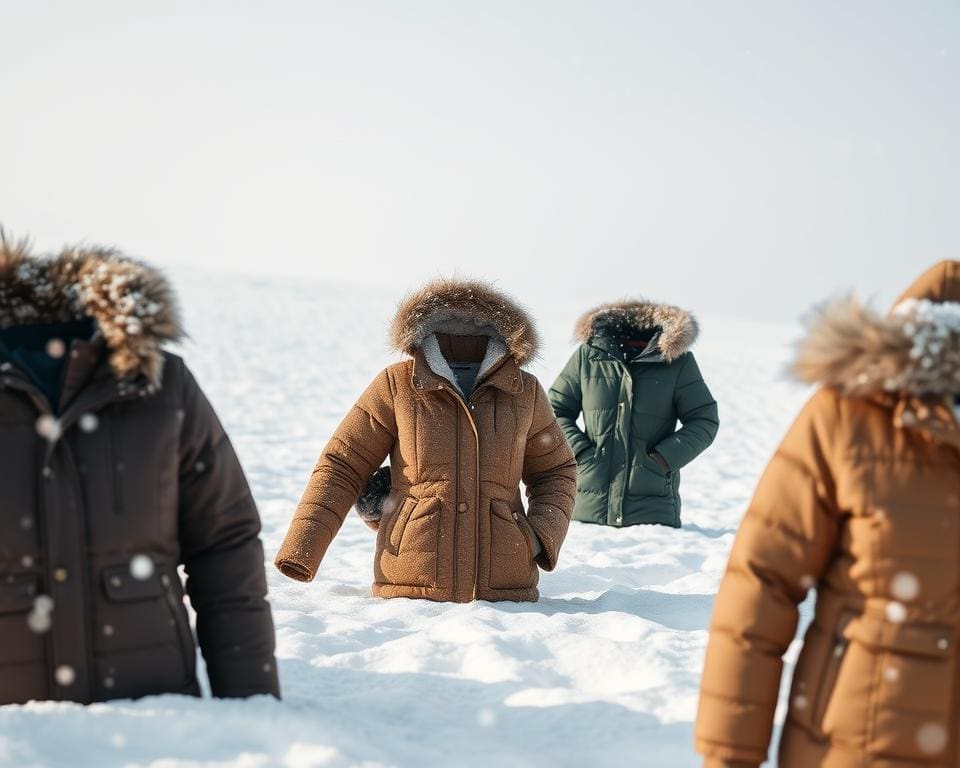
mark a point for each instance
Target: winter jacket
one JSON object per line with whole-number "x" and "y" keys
{"x": 633, "y": 378}
{"x": 861, "y": 502}
{"x": 114, "y": 472}
{"x": 462, "y": 425}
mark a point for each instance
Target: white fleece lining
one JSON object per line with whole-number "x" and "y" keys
{"x": 496, "y": 351}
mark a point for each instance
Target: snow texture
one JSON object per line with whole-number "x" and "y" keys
{"x": 602, "y": 671}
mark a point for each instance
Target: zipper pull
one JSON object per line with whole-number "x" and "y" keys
{"x": 840, "y": 648}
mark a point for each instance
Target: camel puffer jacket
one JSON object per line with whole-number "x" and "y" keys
{"x": 862, "y": 503}
{"x": 114, "y": 472}
{"x": 463, "y": 425}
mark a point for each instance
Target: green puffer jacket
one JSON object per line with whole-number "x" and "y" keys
{"x": 633, "y": 378}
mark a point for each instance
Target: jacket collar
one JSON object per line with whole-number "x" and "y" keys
{"x": 615, "y": 348}
{"x": 131, "y": 303}
{"x": 505, "y": 375}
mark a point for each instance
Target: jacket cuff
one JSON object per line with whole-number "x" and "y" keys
{"x": 241, "y": 679}
{"x": 303, "y": 548}
{"x": 673, "y": 452}
{"x": 549, "y": 553}
{"x": 581, "y": 446}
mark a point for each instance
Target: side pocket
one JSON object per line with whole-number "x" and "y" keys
{"x": 511, "y": 553}
{"x": 529, "y": 534}
{"x": 831, "y": 672}
{"x": 179, "y": 619}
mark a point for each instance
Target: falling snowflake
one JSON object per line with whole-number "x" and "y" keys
{"x": 65, "y": 675}
{"x": 43, "y": 603}
{"x": 39, "y": 622}
{"x": 56, "y": 348}
{"x": 141, "y": 567}
{"x": 932, "y": 738}
{"x": 49, "y": 428}
{"x": 896, "y": 612}
{"x": 89, "y": 423}
{"x": 905, "y": 586}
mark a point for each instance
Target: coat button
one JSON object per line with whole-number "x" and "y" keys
{"x": 462, "y": 506}
{"x": 60, "y": 575}
{"x": 943, "y": 644}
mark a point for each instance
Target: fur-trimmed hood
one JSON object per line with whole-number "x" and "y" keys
{"x": 132, "y": 304}
{"x": 678, "y": 328}
{"x": 464, "y": 307}
{"x": 914, "y": 350}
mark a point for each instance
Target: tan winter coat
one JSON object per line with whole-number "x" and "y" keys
{"x": 862, "y": 502}
{"x": 106, "y": 489}
{"x": 454, "y": 526}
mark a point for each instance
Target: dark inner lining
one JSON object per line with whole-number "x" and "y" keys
{"x": 465, "y": 355}
{"x": 26, "y": 347}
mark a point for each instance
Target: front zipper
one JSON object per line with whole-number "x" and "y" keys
{"x": 465, "y": 408}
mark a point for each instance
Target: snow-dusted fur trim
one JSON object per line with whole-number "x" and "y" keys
{"x": 464, "y": 307}
{"x": 679, "y": 329}
{"x": 913, "y": 351}
{"x": 370, "y": 502}
{"x": 132, "y": 304}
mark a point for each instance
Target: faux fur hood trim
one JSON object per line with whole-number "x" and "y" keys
{"x": 464, "y": 307}
{"x": 132, "y": 304}
{"x": 679, "y": 328}
{"x": 913, "y": 351}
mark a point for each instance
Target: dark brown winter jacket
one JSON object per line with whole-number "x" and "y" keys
{"x": 110, "y": 480}
{"x": 463, "y": 426}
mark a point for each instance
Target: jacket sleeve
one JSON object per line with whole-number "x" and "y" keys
{"x": 697, "y": 411}
{"x": 362, "y": 441}
{"x": 222, "y": 555}
{"x": 550, "y": 475}
{"x": 783, "y": 546}
{"x": 566, "y": 397}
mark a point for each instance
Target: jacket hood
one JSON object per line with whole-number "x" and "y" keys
{"x": 678, "y": 328}
{"x": 914, "y": 350}
{"x": 464, "y": 307}
{"x": 939, "y": 284}
{"x": 132, "y": 304}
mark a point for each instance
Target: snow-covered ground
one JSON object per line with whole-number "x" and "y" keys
{"x": 602, "y": 672}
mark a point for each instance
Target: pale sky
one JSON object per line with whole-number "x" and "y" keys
{"x": 739, "y": 157}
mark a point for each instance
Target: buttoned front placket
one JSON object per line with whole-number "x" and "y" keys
{"x": 62, "y": 530}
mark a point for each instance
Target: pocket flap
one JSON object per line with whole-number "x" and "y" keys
{"x": 502, "y": 510}
{"x": 923, "y": 640}
{"x": 120, "y": 586}
{"x": 17, "y": 593}
{"x": 425, "y": 508}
